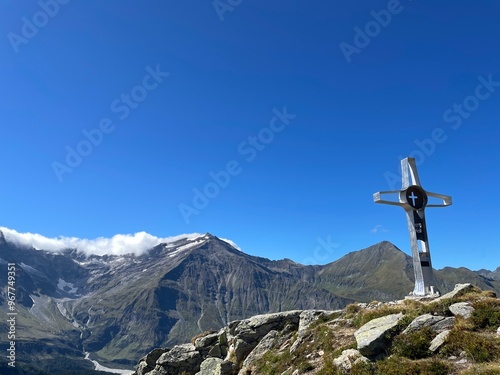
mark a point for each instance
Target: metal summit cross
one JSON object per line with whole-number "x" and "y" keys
{"x": 413, "y": 198}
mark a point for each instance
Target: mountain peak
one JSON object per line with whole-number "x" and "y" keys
{"x": 2, "y": 238}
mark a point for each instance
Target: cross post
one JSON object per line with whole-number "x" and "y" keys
{"x": 414, "y": 199}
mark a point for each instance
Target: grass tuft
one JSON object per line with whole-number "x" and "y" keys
{"x": 396, "y": 365}
{"x": 478, "y": 346}
{"x": 482, "y": 369}
{"x": 413, "y": 345}
{"x": 486, "y": 314}
{"x": 364, "y": 316}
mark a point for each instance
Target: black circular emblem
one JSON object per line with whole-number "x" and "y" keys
{"x": 416, "y": 197}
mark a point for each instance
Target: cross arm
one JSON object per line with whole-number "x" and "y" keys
{"x": 378, "y": 199}
{"x": 447, "y": 201}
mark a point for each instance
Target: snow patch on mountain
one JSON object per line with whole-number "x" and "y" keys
{"x": 66, "y": 287}
{"x": 187, "y": 246}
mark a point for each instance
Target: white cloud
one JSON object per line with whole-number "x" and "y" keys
{"x": 233, "y": 244}
{"x": 378, "y": 229}
{"x": 119, "y": 244}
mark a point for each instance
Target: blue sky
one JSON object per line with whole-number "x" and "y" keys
{"x": 115, "y": 114}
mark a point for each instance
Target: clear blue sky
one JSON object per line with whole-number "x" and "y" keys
{"x": 350, "y": 107}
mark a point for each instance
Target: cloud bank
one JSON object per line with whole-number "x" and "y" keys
{"x": 119, "y": 244}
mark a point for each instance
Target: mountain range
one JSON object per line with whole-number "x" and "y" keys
{"x": 117, "y": 308}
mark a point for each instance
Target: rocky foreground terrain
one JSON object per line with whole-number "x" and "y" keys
{"x": 457, "y": 333}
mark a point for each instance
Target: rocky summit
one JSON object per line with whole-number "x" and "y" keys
{"x": 456, "y": 334}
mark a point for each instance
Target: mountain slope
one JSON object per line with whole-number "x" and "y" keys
{"x": 381, "y": 272}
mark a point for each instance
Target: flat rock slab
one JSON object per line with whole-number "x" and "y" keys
{"x": 463, "y": 309}
{"x": 444, "y": 324}
{"x": 422, "y": 321}
{"x": 459, "y": 290}
{"x": 371, "y": 337}
{"x": 436, "y": 323}
{"x": 180, "y": 358}
{"x": 264, "y": 320}
{"x": 438, "y": 341}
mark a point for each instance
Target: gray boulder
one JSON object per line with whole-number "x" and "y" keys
{"x": 247, "y": 333}
{"x": 463, "y": 309}
{"x": 372, "y": 338}
{"x": 348, "y": 358}
{"x": 422, "y": 321}
{"x": 216, "y": 351}
{"x": 180, "y": 358}
{"x": 148, "y": 362}
{"x": 216, "y": 366}
{"x": 262, "y": 347}
{"x": 205, "y": 341}
{"x": 436, "y": 323}
{"x": 438, "y": 341}
{"x": 444, "y": 324}
{"x": 260, "y": 325}
{"x": 239, "y": 349}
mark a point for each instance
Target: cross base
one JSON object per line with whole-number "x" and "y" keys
{"x": 427, "y": 297}
{"x": 430, "y": 292}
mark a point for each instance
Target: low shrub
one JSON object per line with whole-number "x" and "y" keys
{"x": 362, "y": 368}
{"x": 486, "y": 314}
{"x": 359, "y": 368}
{"x": 325, "y": 318}
{"x": 352, "y": 309}
{"x": 396, "y": 365}
{"x": 413, "y": 345}
{"x": 274, "y": 362}
{"x": 482, "y": 369}
{"x": 438, "y": 307}
{"x": 329, "y": 368}
{"x": 477, "y": 346}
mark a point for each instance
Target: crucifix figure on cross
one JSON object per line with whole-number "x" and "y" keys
{"x": 414, "y": 199}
